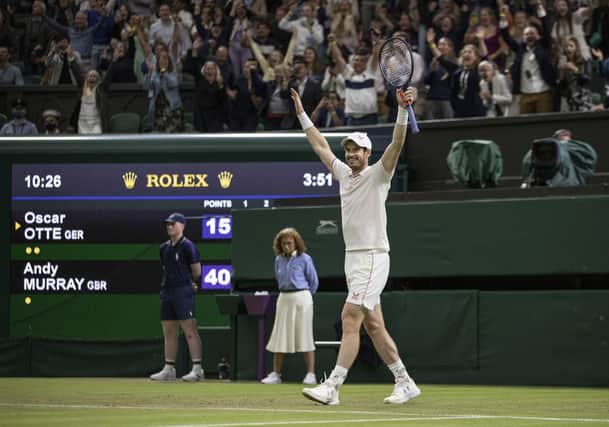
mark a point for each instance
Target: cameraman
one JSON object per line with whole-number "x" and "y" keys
{"x": 62, "y": 63}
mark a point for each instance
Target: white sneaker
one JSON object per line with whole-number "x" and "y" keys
{"x": 324, "y": 393}
{"x": 168, "y": 373}
{"x": 403, "y": 392}
{"x": 310, "y": 379}
{"x": 272, "y": 378}
{"x": 195, "y": 375}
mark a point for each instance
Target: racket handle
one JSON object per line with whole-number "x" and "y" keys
{"x": 412, "y": 120}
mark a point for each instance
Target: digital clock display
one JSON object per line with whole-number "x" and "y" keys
{"x": 319, "y": 179}
{"x": 42, "y": 181}
{"x": 96, "y": 228}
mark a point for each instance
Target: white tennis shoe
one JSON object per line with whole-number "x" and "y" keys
{"x": 403, "y": 392}
{"x": 310, "y": 379}
{"x": 168, "y": 373}
{"x": 325, "y": 393}
{"x": 197, "y": 374}
{"x": 272, "y": 378}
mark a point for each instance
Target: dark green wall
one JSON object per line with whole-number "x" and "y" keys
{"x": 426, "y": 152}
{"x": 471, "y": 337}
{"x": 99, "y": 317}
{"x": 51, "y": 357}
{"x": 5, "y": 230}
{"x": 467, "y": 336}
{"x": 553, "y": 235}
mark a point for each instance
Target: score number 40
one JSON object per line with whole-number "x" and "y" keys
{"x": 216, "y": 277}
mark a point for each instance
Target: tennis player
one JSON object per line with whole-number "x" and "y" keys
{"x": 363, "y": 191}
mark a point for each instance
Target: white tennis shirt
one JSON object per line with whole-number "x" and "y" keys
{"x": 362, "y": 200}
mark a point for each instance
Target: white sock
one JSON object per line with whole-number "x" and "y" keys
{"x": 169, "y": 364}
{"x": 338, "y": 376}
{"x": 196, "y": 365}
{"x": 399, "y": 371}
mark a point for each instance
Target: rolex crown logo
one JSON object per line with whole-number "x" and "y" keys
{"x": 129, "y": 179}
{"x": 225, "y": 178}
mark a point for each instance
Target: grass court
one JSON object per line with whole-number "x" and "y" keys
{"x": 92, "y": 402}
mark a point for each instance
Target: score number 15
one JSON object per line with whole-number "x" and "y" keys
{"x": 217, "y": 227}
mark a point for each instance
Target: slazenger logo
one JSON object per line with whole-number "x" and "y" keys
{"x": 176, "y": 180}
{"x": 326, "y": 227}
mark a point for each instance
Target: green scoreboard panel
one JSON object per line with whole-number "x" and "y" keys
{"x": 95, "y": 228}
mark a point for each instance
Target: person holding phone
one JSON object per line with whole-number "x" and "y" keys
{"x": 328, "y": 113}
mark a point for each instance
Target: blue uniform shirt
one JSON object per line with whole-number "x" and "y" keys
{"x": 296, "y": 273}
{"x": 19, "y": 128}
{"x": 176, "y": 261}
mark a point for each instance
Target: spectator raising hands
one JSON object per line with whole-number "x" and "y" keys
{"x": 164, "y": 100}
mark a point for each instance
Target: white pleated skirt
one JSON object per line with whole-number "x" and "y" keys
{"x": 293, "y": 327}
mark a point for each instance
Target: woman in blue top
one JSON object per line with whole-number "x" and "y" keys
{"x": 297, "y": 281}
{"x": 164, "y": 101}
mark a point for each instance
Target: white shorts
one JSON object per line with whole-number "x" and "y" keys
{"x": 293, "y": 327}
{"x": 367, "y": 273}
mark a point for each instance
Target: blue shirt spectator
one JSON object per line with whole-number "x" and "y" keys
{"x": 296, "y": 272}
{"x": 102, "y": 35}
{"x": 81, "y": 37}
{"x": 19, "y": 126}
{"x": 9, "y": 73}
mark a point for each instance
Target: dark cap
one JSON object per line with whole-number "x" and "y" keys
{"x": 298, "y": 59}
{"x": 19, "y": 103}
{"x": 175, "y": 217}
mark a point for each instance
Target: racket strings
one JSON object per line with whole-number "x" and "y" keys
{"x": 396, "y": 69}
{"x": 396, "y": 63}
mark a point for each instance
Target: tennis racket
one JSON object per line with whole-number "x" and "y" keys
{"x": 397, "y": 66}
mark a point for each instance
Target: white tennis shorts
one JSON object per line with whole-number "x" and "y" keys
{"x": 367, "y": 273}
{"x": 293, "y": 327}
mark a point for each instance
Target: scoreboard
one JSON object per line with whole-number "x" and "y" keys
{"x": 97, "y": 227}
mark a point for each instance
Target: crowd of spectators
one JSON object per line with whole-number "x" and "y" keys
{"x": 472, "y": 58}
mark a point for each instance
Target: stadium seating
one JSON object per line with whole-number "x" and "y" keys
{"x": 125, "y": 123}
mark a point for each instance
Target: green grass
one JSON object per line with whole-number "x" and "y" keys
{"x": 94, "y": 402}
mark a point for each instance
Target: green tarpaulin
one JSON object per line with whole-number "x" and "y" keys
{"x": 476, "y": 163}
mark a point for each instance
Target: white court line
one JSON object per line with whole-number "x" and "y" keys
{"x": 390, "y": 420}
{"x": 343, "y": 421}
{"x": 201, "y": 408}
{"x": 407, "y": 417}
